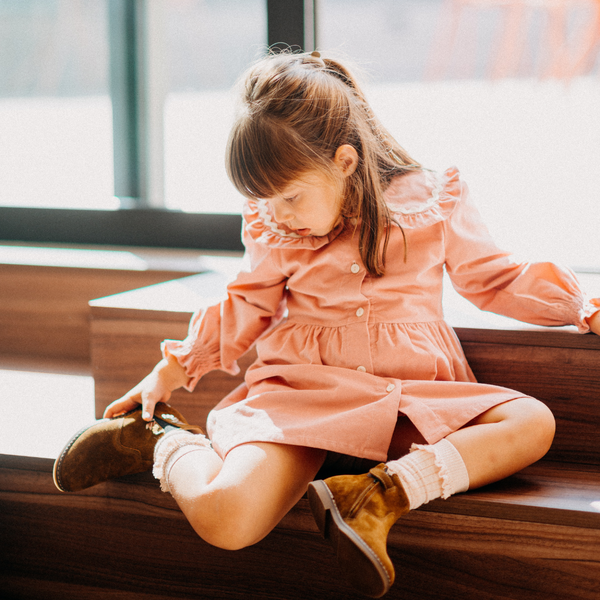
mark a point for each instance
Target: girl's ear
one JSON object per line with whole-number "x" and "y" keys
{"x": 346, "y": 159}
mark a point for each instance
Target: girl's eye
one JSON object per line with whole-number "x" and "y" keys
{"x": 291, "y": 199}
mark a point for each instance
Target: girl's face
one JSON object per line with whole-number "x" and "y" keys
{"x": 311, "y": 204}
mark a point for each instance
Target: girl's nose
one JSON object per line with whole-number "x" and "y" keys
{"x": 281, "y": 211}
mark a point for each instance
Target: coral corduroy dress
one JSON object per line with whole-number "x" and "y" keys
{"x": 355, "y": 351}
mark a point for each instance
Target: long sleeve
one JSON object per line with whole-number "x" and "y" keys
{"x": 538, "y": 293}
{"x": 218, "y": 335}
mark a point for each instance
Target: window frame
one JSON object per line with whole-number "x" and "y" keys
{"x": 139, "y": 221}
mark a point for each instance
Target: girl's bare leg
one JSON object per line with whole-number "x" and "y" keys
{"x": 504, "y": 440}
{"x": 236, "y": 502}
{"x": 496, "y": 444}
{"x": 356, "y": 512}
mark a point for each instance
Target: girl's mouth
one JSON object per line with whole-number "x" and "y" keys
{"x": 303, "y": 232}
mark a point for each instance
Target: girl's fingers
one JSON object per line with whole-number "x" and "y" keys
{"x": 148, "y": 409}
{"x": 155, "y": 387}
{"x": 150, "y": 400}
{"x": 594, "y": 320}
{"x": 122, "y": 405}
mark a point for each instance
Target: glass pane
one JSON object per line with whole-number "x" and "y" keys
{"x": 209, "y": 44}
{"x": 55, "y": 108}
{"x": 503, "y": 90}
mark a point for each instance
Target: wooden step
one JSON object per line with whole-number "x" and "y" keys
{"x": 45, "y": 290}
{"x": 533, "y": 536}
{"x": 556, "y": 365}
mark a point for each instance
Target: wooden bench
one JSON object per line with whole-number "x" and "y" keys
{"x": 534, "y": 535}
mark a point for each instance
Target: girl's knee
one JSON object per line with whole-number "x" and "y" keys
{"x": 256, "y": 487}
{"x": 539, "y": 413}
{"x": 226, "y": 537}
{"x": 537, "y": 421}
{"x": 227, "y": 524}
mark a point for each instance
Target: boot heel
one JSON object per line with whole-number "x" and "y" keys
{"x": 321, "y": 505}
{"x": 359, "y": 564}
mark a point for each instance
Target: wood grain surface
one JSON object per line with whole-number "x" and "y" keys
{"x": 44, "y": 311}
{"x": 125, "y": 539}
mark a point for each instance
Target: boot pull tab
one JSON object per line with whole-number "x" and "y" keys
{"x": 380, "y": 473}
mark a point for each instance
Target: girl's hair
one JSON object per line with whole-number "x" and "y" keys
{"x": 297, "y": 109}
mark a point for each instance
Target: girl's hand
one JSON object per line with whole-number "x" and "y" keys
{"x": 167, "y": 375}
{"x": 594, "y": 320}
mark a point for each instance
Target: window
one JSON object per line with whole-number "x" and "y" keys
{"x": 137, "y": 94}
{"x": 525, "y": 136}
{"x": 143, "y": 154}
{"x": 208, "y": 45}
{"x": 94, "y": 97}
{"x": 55, "y": 108}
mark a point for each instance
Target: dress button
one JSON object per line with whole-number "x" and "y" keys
{"x": 390, "y": 388}
{"x": 355, "y": 268}
{"x": 360, "y": 312}
{"x": 361, "y": 369}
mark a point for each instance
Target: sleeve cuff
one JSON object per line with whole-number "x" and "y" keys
{"x": 196, "y": 361}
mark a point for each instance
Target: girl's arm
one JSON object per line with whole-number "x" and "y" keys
{"x": 492, "y": 279}
{"x": 218, "y": 335}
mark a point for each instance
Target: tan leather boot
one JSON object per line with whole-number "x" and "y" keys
{"x": 355, "y": 513}
{"x": 111, "y": 448}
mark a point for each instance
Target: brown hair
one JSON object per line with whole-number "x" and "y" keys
{"x": 296, "y": 110}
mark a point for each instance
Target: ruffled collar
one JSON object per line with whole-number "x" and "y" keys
{"x": 416, "y": 200}
{"x": 423, "y": 198}
{"x": 263, "y": 229}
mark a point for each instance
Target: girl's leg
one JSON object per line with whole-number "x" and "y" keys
{"x": 236, "y": 502}
{"x": 496, "y": 444}
{"x": 504, "y": 440}
{"x": 357, "y": 512}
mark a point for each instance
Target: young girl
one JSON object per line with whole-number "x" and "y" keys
{"x": 352, "y": 236}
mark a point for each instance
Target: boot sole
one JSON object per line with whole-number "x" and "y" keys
{"x": 359, "y": 563}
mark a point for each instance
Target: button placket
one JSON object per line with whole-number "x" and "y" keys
{"x": 360, "y": 339}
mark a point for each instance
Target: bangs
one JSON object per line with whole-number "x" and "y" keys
{"x": 264, "y": 156}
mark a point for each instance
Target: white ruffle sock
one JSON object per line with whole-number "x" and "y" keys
{"x": 430, "y": 472}
{"x": 170, "y": 448}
